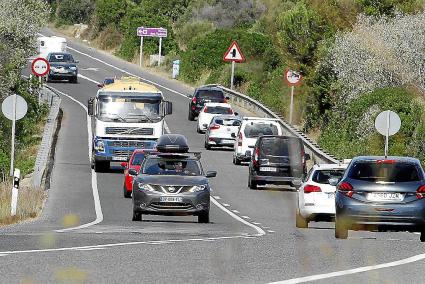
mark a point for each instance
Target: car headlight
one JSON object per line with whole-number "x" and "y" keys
{"x": 198, "y": 188}
{"x": 73, "y": 68}
{"x": 53, "y": 69}
{"x": 99, "y": 146}
{"x": 143, "y": 186}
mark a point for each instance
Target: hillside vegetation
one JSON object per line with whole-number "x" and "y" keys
{"x": 358, "y": 57}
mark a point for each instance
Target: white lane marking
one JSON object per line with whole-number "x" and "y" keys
{"x": 167, "y": 130}
{"x": 97, "y": 206}
{"x": 260, "y": 231}
{"x": 270, "y": 231}
{"x": 404, "y": 261}
{"x": 235, "y": 211}
{"x": 226, "y": 205}
{"x": 88, "y": 79}
{"x": 246, "y": 217}
{"x": 256, "y": 223}
{"x": 217, "y": 197}
{"x": 94, "y": 247}
{"x": 89, "y": 249}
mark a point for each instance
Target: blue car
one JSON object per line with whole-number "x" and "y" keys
{"x": 381, "y": 194}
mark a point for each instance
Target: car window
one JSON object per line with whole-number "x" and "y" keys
{"x": 138, "y": 159}
{"x": 256, "y": 129}
{"x": 323, "y": 176}
{"x": 279, "y": 146}
{"x": 227, "y": 121}
{"x": 210, "y": 95}
{"x": 61, "y": 58}
{"x": 384, "y": 171}
{"x": 161, "y": 166}
{"x": 218, "y": 110}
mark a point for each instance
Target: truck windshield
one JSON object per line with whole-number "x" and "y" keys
{"x": 125, "y": 109}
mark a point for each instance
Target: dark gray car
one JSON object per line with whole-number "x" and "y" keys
{"x": 378, "y": 193}
{"x": 62, "y": 67}
{"x": 172, "y": 184}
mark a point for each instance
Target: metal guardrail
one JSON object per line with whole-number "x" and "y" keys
{"x": 47, "y": 96}
{"x": 318, "y": 154}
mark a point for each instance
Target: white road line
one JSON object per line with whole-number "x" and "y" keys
{"x": 235, "y": 211}
{"x": 270, "y": 231}
{"x": 217, "y": 197}
{"x": 352, "y": 271}
{"x": 88, "y": 79}
{"x": 256, "y": 223}
{"x": 89, "y": 249}
{"x": 97, "y": 206}
{"x": 246, "y": 217}
{"x": 226, "y": 205}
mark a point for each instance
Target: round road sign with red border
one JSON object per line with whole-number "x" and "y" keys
{"x": 40, "y": 66}
{"x": 292, "y": 78}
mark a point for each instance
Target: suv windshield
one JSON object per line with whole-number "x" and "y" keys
{"x": 163, "y": 166}
{"x": 210, "y": 95}
{"x": 61, "y": 57}
{"x": 279, "y": 146}
{"x": 218, "y": 110}
{"x": 323, "y": 176}
{"x": 384, "y": 171}
{"x": 256, "y": 129}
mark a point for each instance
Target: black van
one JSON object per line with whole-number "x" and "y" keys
{"x": 277, "y": 160}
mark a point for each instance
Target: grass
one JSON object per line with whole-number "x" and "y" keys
{"x": 30, "y": 203}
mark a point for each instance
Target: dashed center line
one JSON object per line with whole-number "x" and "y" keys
{"x": 235, "y": 211}
{"x": 225, "y": 204}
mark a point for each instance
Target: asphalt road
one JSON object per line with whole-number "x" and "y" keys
{"x": 251, "y": 238}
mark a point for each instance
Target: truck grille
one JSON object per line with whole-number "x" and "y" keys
{"x": 122, "y": 153}
{"x": 128, "y": 144}
{"x": 129, "y": 130}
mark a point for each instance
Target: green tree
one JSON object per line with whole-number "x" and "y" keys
{"x": 109, "y": 12}
{"x": 74, "y": 11}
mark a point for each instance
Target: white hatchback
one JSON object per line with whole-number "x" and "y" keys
{"x": 209, "y": 111}
{"x": 316, "y": 197}
{"x": 250, "y": 130}
{"x": 222, "y": 131}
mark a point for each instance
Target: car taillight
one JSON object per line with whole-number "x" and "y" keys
{"x": 240, "y": 139}
{"x": 194, "y": 100}
{"x": 205, "y": 109}
{"x": 420, "y": 193}
{"x": 214, "y": 127}
{"x": 346, "y": 189}
{"x": 256, "y": 155}
{"x": 229, "y": 111}
{"x": 311, "y": 188}
{"x": 385, "y": 161}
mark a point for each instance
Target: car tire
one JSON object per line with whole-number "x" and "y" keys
{"x": 300, "y": 221}
{"x": 204, "y": 217}
{"x": 74, "y": 80}
{"x": 137, "y": 216}
{"x": 199, "y": 130}
{"x": 191, "y": 117}
{"x": 48, "y": 80}
{"x": 102, "y": 166}
{"x": 236, "y": 161}
{"x": 127, "y": 194}
{"x": 341, "y": 230}
{"x": 207, "y": 146}
{"x": 252, "y": 184}
{"x": 422, "y": 238}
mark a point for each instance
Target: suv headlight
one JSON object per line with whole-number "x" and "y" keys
{"x": 198, "y": 188}
{"x": 99, "y": 145}
{"x": 143, "y": 186}
{"x": 73, "y": 68}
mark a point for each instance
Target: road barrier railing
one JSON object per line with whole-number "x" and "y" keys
{"x": 319, "y": 155}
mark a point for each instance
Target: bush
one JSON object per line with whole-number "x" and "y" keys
{"x": 109, "y": 12}
{"x": 74, "y": 11}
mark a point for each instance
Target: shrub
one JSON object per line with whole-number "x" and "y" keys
{"x": 109, "y": 12}
{"x": 74, "y": 11}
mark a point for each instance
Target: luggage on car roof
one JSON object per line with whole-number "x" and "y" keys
{"x": 174, "y": 143}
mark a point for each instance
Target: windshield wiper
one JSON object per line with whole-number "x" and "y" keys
{"x": 118, "y": 116}
{"x": 142, "y": 115}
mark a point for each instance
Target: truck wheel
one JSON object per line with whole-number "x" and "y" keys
{"x": 341, "y": 230}
{"x": 127, "y": 194}
{"x": 137, "y": 216}
{"x": 101, "y": 166}
{"x": 204, "y": 217}
{"x": 300, "y": 221}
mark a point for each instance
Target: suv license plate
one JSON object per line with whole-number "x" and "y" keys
{"x": 385, "y": 196}
{"x": 268, "y": 169}
{"x": 171, "y": 199}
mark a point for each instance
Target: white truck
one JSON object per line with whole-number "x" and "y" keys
{"x": 128, "y": 114}
{"x": 48, "y": 44}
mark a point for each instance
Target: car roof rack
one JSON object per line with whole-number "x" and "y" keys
{"x": 172, "y": 143}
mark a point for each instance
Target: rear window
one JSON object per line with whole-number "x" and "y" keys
{"x": 278, "y": 146}
{"x": 210, "y": 95}
{"x": 218, "y": 110}
{"x": 323, "y": 176}
{"x": 256, "y": 129}
{"x": 138, "y": 159}
{"x": 227, "y": 121}
{"x": 58, "y": 57}
{"x": 387, "y": 172}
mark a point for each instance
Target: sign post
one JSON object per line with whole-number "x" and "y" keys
{"x": 14, "y": 107}
{"x": 387, "y": 123}
{"x": 151, "y": 32}
{"x": 15, "y": 189}
{"x": 292, "y": 79}
{"x": 233, "y": 54}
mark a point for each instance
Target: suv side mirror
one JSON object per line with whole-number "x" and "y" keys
{"x": 236, "y": 113}
{"x": 307, "y": 157}
{"x": 211, "y": 174}
{"x": 333, "y": 181}
{"x": 132, "y": 172}
{"x": 90, "y": 106}
{"x": 227, "y": 98}
{"x": 167, "y": 107}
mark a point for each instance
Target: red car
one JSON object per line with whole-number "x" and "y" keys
{"x": 135, "y": 162}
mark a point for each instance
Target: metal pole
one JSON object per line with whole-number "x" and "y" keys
{"x": 387, "y": 134}
{"x": 232, "y": 76}
{"x": 160, "y": 51}
{"x": 15, "y": 188}
{"x": 12, "y": 154}
{"x": 291, "y": 106}
{"x": 141, "y": 51}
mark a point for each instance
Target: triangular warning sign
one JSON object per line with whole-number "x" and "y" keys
{"x": 234, "y": 53}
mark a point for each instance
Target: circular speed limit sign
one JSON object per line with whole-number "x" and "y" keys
{"x": 40, "y": 67}
{"x": 292, "y": 78}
